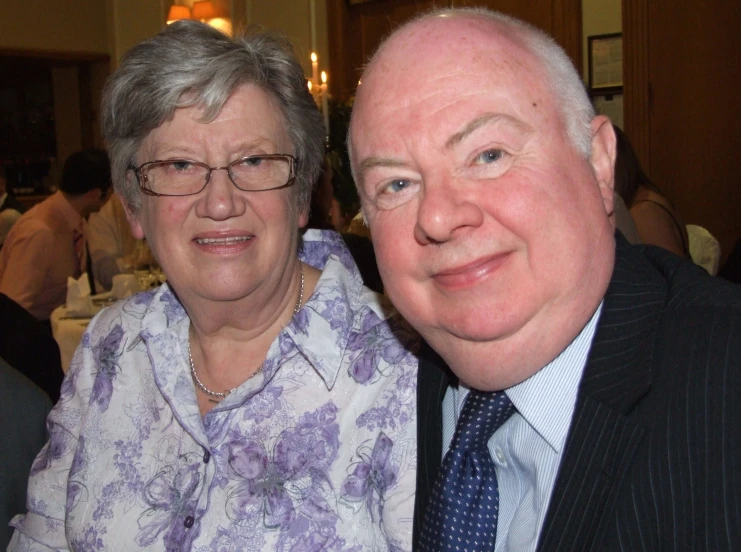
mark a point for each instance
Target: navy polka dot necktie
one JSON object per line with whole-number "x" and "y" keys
{"x": 464, "y": 505}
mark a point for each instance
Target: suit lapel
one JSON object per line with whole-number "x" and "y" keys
{"x": 433, "y": 380}
{"x": 603, "y": 437}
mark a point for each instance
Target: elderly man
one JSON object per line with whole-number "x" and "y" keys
{"x": 593, "y": 402}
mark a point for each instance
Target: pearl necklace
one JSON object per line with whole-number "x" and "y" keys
{"x": 215, "y": 396}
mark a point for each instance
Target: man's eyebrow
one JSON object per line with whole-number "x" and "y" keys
{"x": 483, "y": 120}
{"x": 372, "y": 162}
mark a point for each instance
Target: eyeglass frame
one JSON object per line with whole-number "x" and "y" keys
{"x": 142, "y": 179}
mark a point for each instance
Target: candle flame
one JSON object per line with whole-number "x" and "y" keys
{"x": 309, "y": 85}
{"x": 324, "y": 77}
{"x": 313, "y": 57}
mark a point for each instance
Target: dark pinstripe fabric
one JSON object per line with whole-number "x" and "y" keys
{"x": 653, "y": 457}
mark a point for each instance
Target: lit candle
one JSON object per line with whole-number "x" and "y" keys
{"x": 314, "y": 68}
{"x": 325, "y": 101}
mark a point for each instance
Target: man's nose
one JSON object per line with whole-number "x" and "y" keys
{"x": 447, "y": 209}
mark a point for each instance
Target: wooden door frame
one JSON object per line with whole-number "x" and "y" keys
{"x": 636, "y": 84}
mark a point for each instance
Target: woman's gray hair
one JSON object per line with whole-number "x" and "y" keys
{"x": 191, "y": 64}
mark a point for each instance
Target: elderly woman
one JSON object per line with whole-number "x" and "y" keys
{"x": 262, "y": 399}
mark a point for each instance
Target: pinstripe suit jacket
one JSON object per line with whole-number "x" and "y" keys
{"x": 653, "y": 456}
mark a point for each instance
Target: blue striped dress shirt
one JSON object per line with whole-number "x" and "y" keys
{"x": 527, "y": 449}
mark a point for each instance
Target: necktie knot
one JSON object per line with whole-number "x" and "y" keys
{"x": 483, "y": 413}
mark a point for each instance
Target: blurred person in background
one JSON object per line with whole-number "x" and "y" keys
{"x": 260, "y": 399}
{"x": 325, "y": 214}
{"x": 47, "y": 244}
{"x": 112, "y": 248}
{"x": 656, "y": 219}
{"x": 10, "y": 208}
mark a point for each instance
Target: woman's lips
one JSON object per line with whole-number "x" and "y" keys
{"x": 470, "y": 274}
{"x": 223, "y": 243}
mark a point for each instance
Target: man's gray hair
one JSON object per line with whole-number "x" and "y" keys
{"x": 565, "y": 82}
{"x": 191, "y": 64}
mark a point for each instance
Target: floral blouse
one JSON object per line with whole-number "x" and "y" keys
{"x": 317, "y": 452}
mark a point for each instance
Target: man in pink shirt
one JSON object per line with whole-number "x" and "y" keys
{"x": 47, "y": 244}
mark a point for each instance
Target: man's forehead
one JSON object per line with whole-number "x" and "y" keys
{"x": 458, "y": 48}
{"x": 427, "y": 41}
{"x": 450, "y": 58}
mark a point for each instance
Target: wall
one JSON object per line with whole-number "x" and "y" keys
{"x": 598, "y": 17}
{"x": 293, "y": 18}
{"x": 67, "y": 110}
{"x": 64, "y": 25}
{"x": 78, "y": 29}
{"x": 131, "y": 21}
{"x": 112, "y": 27}
{"x": 694, "y": 71}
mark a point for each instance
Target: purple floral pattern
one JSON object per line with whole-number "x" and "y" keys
{"x": 372, "y": 477}
{"x": 291, "y": 482}
{"x": 107, "y": 353}
{"x": 310, "y": 455}
{"x": 171, "y": 497}
{"x": 375, "y": 348}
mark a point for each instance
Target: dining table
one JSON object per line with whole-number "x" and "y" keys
{"x": 68, "y": 331}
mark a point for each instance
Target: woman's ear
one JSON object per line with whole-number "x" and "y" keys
{"x": 132, "y": 215}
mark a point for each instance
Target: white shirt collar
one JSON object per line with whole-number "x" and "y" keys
{"x": 547, "y": 399}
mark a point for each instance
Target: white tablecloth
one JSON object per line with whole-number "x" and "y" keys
{"x": 67, "y": 333}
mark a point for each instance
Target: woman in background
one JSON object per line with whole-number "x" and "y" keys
{"x": 655, "y": 217}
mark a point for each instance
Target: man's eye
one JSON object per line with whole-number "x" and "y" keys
{"x": 488, "y": 157}
{"x": 396, "y": 186}
{"x": 395, "y": 193}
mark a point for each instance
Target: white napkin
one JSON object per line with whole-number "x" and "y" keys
{"x": 79, "y": 302}
{"x": 704, "y": 248}
{"x": 125, "y": 285}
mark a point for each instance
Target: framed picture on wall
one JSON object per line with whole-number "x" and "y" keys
{"x": 605, "y": 61}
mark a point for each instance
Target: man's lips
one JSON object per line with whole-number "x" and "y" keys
{"x": 471, "y": 273}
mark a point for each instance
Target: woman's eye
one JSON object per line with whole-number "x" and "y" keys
{"x": 251, "y": 161}
{"x": 489, "y": 156}
{"x": 181, "y": 165}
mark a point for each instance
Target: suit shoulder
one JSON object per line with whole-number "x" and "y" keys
{"x": 689, "y": 286}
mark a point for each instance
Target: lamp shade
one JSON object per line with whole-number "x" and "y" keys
{"x": 206, "y": 9}
{"x": 178, "y": 12}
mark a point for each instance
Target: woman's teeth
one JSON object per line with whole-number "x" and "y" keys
{"x": 235, "y": 239}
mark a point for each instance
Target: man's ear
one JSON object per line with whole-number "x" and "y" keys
{"x": 602, "y": 159}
